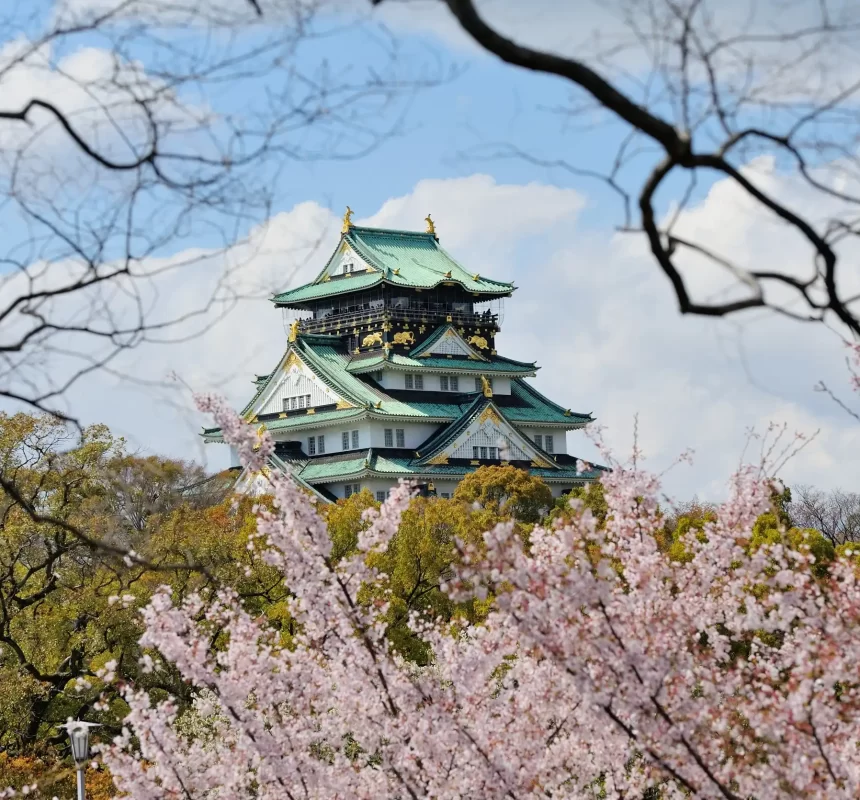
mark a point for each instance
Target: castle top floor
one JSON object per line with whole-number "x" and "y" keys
{"x": 400, "y": 275}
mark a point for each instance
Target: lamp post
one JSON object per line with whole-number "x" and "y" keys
{"x": 79, "y": 735}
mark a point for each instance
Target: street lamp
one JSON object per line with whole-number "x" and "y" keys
{"x": 79, "y": 735}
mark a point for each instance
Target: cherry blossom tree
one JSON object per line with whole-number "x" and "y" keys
{"x": 606, "y": 668}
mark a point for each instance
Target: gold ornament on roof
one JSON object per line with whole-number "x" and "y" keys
{"x": 260, "y": 431}
{"x": 294, "y": 330}
{"x": 489, "y": 415}
{"x": 478, "y": 341}
{"x": 347, "y": 220}
{"x": 431, "y": 226}
{"x": 405, "y": 337}
{"x": 448, "y": 274}
{"x": 485, "y": 385}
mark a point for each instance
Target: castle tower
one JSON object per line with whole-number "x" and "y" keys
{"x": 391, "y": 372}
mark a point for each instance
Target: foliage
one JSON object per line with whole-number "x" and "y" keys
{"x": 418, "y": 560}
{"x": 506, "y": 492}
{"x": 591, "y": 496}
{"x": 605, "y": 665}
{"x": 66, "y": 607}
{"x": 53, "y": 777}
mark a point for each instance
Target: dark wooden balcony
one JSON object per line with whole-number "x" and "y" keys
{"x": 345, "y": 321}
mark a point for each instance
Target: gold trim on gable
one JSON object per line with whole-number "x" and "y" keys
{"x": 489, "y": 413}
{"x": 292, "y": 361}
{"x": 343, "y": 404}
{"x": 439, "y": 460}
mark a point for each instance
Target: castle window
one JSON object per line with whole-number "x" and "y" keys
{"x": 414, "y": 381}
{"x": 351, "y": 489}
{"x": 484, "y": 452}
{"x": 410, "y": 382}
{"x": 492, "y": 453}
{"x": 547, "y": 443}
{"x": 454, "y": 382}
{"x": 401, "y": 437}
{"x": 389, "y": 437}
{"x": 293, "y": 403}
{"x": 344, "y": 440}
{"x": 320, "y": 444}
{"x": 538, "y": 440}
{"x": 446, "y": 495}
{"x": 301, "y": 401}
{"x": 355, "y": 440}
{"x": 474, "y": 452}
{"x": 286, "y": 404}
{"x": 419, "y": 381}
{"x": 443, "y": 383}
{"x": 380, "y": 497}
{"x": 312, "y": 445}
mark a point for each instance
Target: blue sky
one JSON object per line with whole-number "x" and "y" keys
{"x": 591, "y": 308}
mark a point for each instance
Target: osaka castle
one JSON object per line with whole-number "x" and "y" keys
{"x": 391, "y": 371}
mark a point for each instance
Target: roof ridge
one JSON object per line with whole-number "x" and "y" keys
{"x": 397, "y": 231}
{"x": 429, "y": 448}
{"x": 454, "y": 429}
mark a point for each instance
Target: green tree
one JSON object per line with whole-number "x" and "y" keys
{"x": 506, "y": 492}
{"x": 591, "y": 496}
{"x": 68, "y": 603}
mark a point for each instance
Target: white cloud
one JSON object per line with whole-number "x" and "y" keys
{"x": 595, "y": 313}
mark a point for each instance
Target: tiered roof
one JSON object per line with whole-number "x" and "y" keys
{"x": 388, "y": 463}
{"x": 410, "y": 260}
{"x": 329, "y": 359}
{"x": 406, "y": 259}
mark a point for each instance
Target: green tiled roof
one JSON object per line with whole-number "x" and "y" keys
{"x": 327, "y": 470}
{"x": 400, "y": 258}
{"x": 495, "y": 365}
{"x": 540, "y": 408}
{"x": 375, "y": 461}
{"x": 298, "y": 421}
{"x": 329, "y": 360}
{"x": 331, "y": 288}
{"x": 445, "y": 435}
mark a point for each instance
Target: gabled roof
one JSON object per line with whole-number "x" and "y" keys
{"x": 329, "y": 360}
{"x": 428, "y": 346}
{"x": 392, "y": 463}
{"x": 408, "y": 259}
{"x": 482, "y": 409}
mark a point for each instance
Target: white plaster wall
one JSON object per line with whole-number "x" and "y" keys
{"x": 334, "y": 437}
{"x": 445, "y": 487}
{"x": 376, "y": 484}
{"x": 395, "y": 379}
{"x": 559, "y": 437}
{"x": 415, "y": 433}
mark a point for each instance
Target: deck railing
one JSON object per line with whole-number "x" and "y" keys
{"x": 345, "y": 321}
